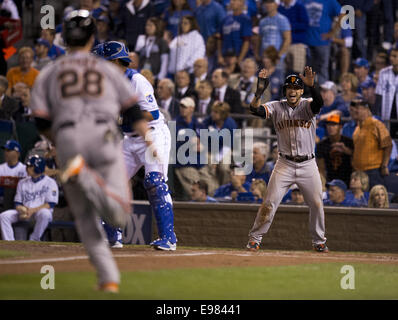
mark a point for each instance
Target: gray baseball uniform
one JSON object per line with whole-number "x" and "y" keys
{"x": 82, "y": 96}
{"x": 295, "y": 130}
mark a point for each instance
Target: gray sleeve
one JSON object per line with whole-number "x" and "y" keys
{"x": 39, "y": 102}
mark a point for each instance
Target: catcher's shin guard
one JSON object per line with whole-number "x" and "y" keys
{"x": 160, "y": 200}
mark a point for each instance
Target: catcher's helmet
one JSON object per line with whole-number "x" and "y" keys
{"x": 98, "y": 50}
{"x": 38, "y": 163}
{"x": 78, "y": 27}
{"x": 116, "y": 50}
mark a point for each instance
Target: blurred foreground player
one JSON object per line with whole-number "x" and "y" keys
{"x": 76, "y": 102}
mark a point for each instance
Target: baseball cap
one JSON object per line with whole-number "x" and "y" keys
{"x": 368, "y": 84}
{"x": 334, "y": 118}
{"x": 43, "y": 42}
{"x": 187, "y": 102}
{"x": 337, "y": 183}
{"x": 12, "y": 145}
{"x": 329, "y": 85}
{"x": 360, "y": 102}
{"x": 361, "y": 62}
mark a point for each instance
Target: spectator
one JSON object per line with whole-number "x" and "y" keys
{"x": 183, "y": 85}
{"x": 173, "y": 15}
{"x": 165, "y": 96}
{"x": 103, "y": 32}
{"x": 372, "y": 145}
{"x": 209, "y": 15}
{"x": 114, "y": 14}
{"x": 133, "y": 16}
{"x": 274, "y": 30}
{"x": 24, "y": 72}
{"x": 362, "y": 7}
{"x": 250, "y": 7}
{"x": 378, "y": 197}
{"x": 341, "y": 46}
{"x": 258, "y": 188}
{"x": 260, "y": 167}
{"x": 387, "y": 95}
{"x": 189, "y": 168}
{"x": 349, "y": 127}
{"x": 55, "y": 51}
{"x": 41, "y": 59}
{"x": 368, "y": 89}
{"x": 333, "y": 104}
{"x": 218, "y": 120}
{"x": 231, "y": 190}
{"x": 361, "y": 70}
{"x": 152, "y": 49}
{"x": 321, "y": 14}
{"x": 8, "y": 105}
{"x": 200, "y": 72}
{"x": 11, "y": 171}
{"x": 381, "y": 61}
{"x": 298, "y": 18}
{"x": 359, "y": 186}
{"x": 199, "y": 192}
{"x": 337, "y": 194}
{"x": 205, "y": 100}
{"x": 235, "y": 33}
{"x": 246, "y": 82}
{"x": 135, "y": 61}
{"x": 149, "y": 76}
{"x": 187, "y": 47}
{"x": 36, "y": 198}
{"x": 333, "y": 153}
{"x": 224, "y": 93}
{"x": 297, "y": 197}
{"x": 349, "y": 86}
{"x": 274, "y": 156}
{"x": 276, "y": 79}
{"x": 231, "y": 65}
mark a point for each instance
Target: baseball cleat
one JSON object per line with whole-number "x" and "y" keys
{"x": 321, "y": 248}
{"x": 253, "y": 246}
{"x": 73, "y": 168}
{"x": 117, "y": 245}
{"x": 165, "y": 245}
{"x": 111, "y": 287}
{"x": 154, "y": 242}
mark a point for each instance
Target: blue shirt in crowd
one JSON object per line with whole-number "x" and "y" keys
{"x": 271, "y": 31}
{"x": 362, "y": 202}
{"x": 298, "y": 18}
{"x": 209, "y": 18}
{"x": 226, "y": 190}
{"x": 264, "y": 174}
{"x": 173, "y": 20}
{"x": 234, "y": 30}
{"x": 321, "y": 14}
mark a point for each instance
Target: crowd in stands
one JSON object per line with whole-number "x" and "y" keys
{"x": 203, "y": 56}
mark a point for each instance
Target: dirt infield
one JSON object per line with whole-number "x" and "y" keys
{"x": 72, "y": 257}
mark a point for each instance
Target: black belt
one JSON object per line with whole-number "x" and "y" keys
{"x": 67, "y": 124}
{"x": 298, "y": 158}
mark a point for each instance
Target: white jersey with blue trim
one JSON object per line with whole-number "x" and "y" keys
{"x": 144, "y": 92}
{"x": 33, "y": 193}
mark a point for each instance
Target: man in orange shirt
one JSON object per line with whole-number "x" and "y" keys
{"x": 24, "y": 72}
{"x": 372, "y": 145}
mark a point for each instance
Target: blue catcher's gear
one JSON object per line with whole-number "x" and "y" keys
{"x": 98, "y": 50}
{"x": 38, "y": 163}
{"x": 116, "y": 50}
{"x": 158, "y": 194}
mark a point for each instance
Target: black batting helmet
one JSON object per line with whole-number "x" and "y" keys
{"x": 293, "y": 79}
{"x": 78, "y": 27}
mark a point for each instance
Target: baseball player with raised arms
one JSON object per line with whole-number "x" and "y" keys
{"x": 138, "y": 151}
{"x": 36, "y": 198}
{"x": 295, "y": 124}
{"x": 76, "y": 102}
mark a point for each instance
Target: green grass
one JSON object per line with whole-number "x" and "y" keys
{"x": 315, "y": 281}
{"x": 4, "y": 254}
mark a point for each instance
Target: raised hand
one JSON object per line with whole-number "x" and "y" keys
{"x": 309, "y": 77}
{"x": 262, "y": 82}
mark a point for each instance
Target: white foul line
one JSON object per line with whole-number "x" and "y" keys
{"x": 311, "y": 256}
